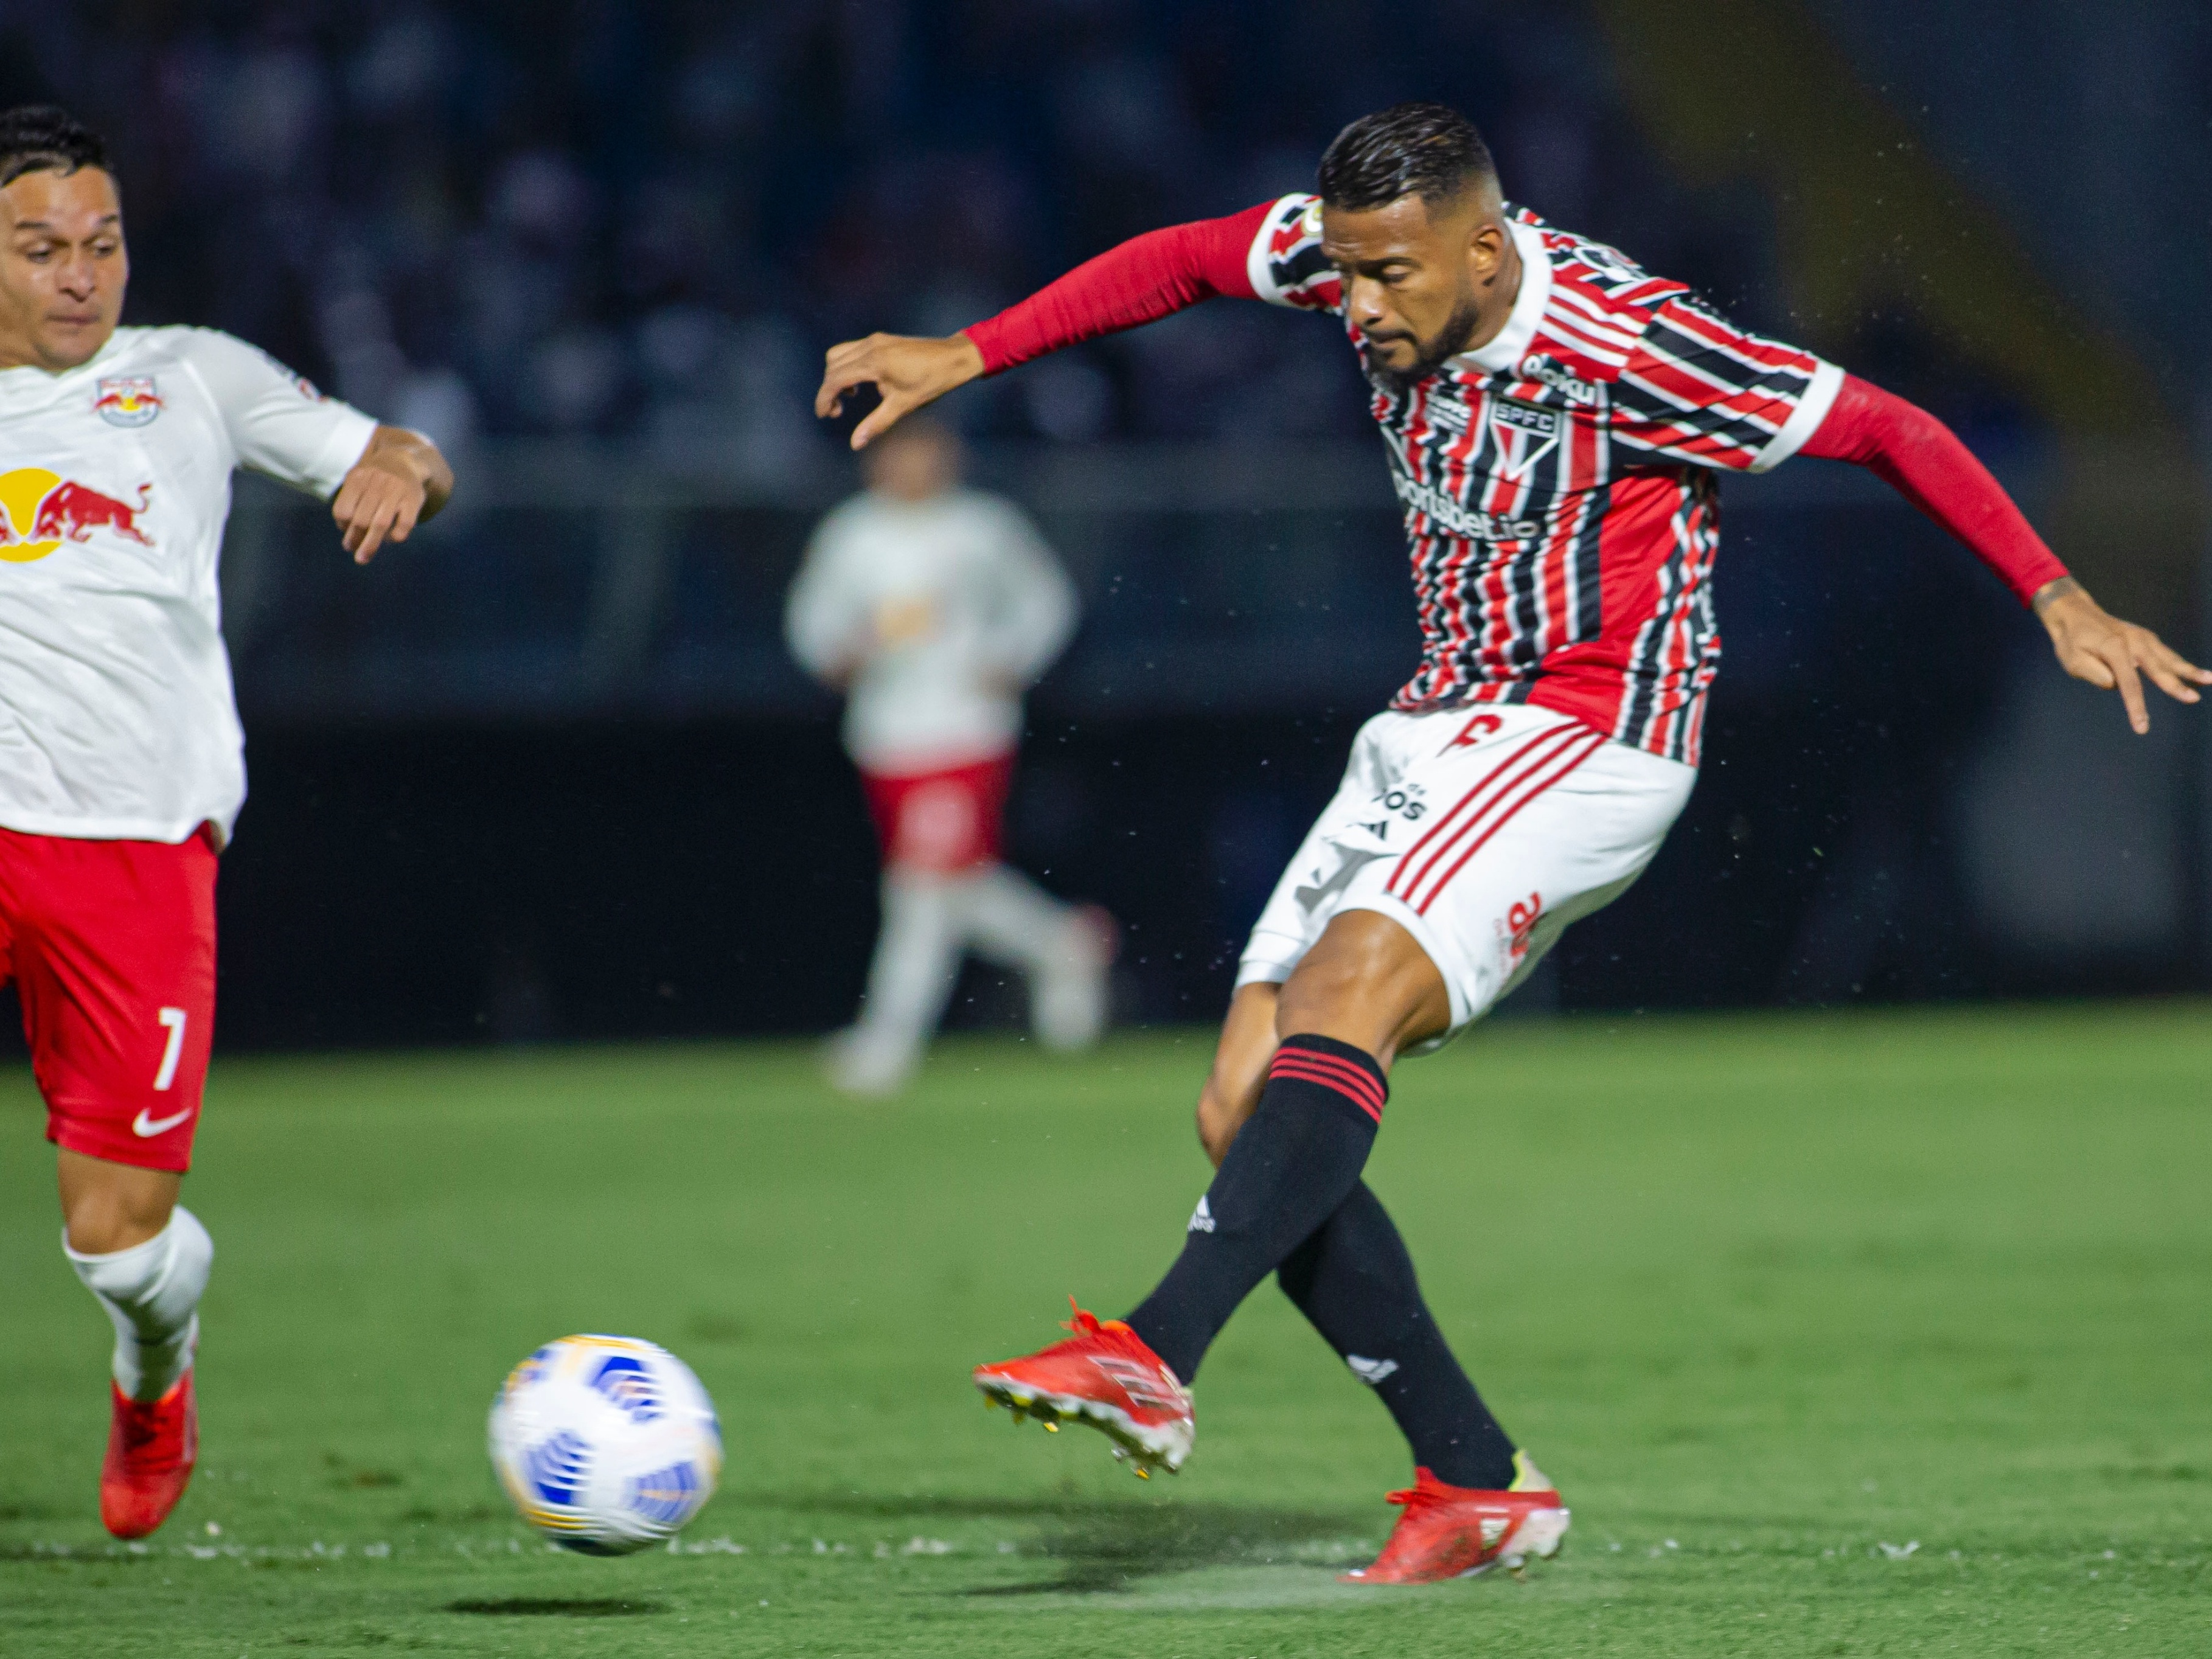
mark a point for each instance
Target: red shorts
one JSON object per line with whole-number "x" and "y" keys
{"x": 943, "y": 822}
{"x": 112, "y": 947}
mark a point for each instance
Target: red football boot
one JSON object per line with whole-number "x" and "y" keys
{"x": 1456, "y": 1532}
{"x": 1106, "y": 1377}
{"x": 150, "y": 1450}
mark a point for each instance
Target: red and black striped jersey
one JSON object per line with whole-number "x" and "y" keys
{"x": 1559, "y": 483}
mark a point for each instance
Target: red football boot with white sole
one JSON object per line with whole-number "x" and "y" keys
{"x": 1456, "y": 1532}
{"x": 151, "y": 1447}
{"x": 1106, "y": 1377}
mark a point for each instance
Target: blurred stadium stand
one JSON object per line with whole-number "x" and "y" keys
{"x": 546, "y": 770}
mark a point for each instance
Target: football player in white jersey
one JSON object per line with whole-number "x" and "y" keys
{"x": 121, "y": 758}
{"x": 932, "y": 607}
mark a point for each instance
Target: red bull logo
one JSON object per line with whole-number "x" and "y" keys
{"x": 39, "y": 510}
{"x": 127, "y": 400}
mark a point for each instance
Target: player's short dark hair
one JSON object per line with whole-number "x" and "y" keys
{"x": 34, "y": 137}
{"x": 1428, "y": 150}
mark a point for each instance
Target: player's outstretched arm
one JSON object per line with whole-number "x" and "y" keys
{"x": 2098, "y": 647}
{"x": 399, "y": 480}
{"x": 1924, "y": 461}
{"x": 1143, "y": 279}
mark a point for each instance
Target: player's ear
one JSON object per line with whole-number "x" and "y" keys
{"x": 1485, "y": 246}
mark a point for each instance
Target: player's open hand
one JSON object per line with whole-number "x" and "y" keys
{"x": 400, "y": 480}
{"x": 2097, "y": 646}
{"x": 909, "y": 372}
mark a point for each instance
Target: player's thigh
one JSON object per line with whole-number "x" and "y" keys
{"x": 1486, "y": 913}
{"x": 115, "y": 965}
{"x": 1368, "y": 981}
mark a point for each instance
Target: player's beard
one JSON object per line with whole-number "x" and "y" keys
{"x": 1446, "y": 343}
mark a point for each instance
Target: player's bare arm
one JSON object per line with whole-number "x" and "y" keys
{"x": 400, "y": 481}
{"x": 909, "y": 371}
{"x": 2095, "y": 646}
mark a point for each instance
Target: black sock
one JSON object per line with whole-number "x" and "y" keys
{"x": 1288, "y": 1169}
{"x": 1353, "y": 1280}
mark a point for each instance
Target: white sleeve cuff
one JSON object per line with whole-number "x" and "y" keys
{"x": 1255, "y": 257}
{"x": 1805, "y": 420}
{"x": 342, "y": 451}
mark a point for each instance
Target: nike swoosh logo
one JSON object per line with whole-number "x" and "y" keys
{"x": 145, "y": 1127}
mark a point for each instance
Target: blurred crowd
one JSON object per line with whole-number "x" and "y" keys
{"x": 580, "y": 216}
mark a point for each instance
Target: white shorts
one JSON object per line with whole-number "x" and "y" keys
{"x": 1482, "y": 833}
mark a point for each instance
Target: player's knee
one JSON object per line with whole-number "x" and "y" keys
{"x": 1358, "y": 959}
{"x": 110, "y": 1207}
{"x": 1366, "y": 981}
{"x": 102, "y": 1230}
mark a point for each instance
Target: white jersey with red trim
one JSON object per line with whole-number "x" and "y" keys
{"x": 116, "y": 720}
{"x": 936, "y": 615}
{"x": 1560, "y": 482}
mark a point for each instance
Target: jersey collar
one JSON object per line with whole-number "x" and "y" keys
{"x": 1511, "y": 342}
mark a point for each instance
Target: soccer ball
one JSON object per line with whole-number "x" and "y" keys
{"x": 605, "y": 1444}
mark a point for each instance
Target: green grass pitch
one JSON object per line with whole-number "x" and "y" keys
{"x": 1877, "y": 1333}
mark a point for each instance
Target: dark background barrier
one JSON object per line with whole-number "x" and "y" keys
{"x": 666, "y": 839}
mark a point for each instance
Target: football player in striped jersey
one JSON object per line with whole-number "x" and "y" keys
{"x": 1556, "y": 419}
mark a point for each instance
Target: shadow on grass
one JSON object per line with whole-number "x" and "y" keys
{"x": 543, "y": 1606}
{"x": 1100, "y": 1545}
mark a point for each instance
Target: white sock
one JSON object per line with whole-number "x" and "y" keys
{"x": 152, "y": 1293}
{"x": 1015, "y": 921}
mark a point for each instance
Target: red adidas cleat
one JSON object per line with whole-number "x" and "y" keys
{"x": 1456, "y": 1532}
{"x": 1106, "y": 1377}
{"x": 151, "y": 1447}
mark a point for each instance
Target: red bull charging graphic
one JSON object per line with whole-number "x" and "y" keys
{"x": 39, "y": 510}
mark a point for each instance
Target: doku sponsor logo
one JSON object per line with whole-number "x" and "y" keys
{"x": 39, "y": 510}
{"x": 127, "y": 400}
{"x": 1544, "y": 372}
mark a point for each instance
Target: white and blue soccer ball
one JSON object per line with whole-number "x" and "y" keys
{"x": 606, "y": 1445}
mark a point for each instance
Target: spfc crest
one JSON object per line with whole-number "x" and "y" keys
{"x": 1524, "y": 433}
{"x": 127, "y": 400}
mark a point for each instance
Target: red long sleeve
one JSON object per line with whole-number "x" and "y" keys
{"x": 1921, "y": 459}
{"x": 1141, "y": 281}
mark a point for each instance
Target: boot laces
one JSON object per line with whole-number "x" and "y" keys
{"x": 1422, "y": 1495}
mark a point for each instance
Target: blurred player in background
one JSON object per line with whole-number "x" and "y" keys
{"x": 1556, "y": 419}
{"x": 933, "y": 608}
{"x": 122, "y": 764}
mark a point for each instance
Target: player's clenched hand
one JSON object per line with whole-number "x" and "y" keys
{"x": 2098, "y": 647}
{"x": 907, "y": 371}
{"x": 399, "y": 480}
